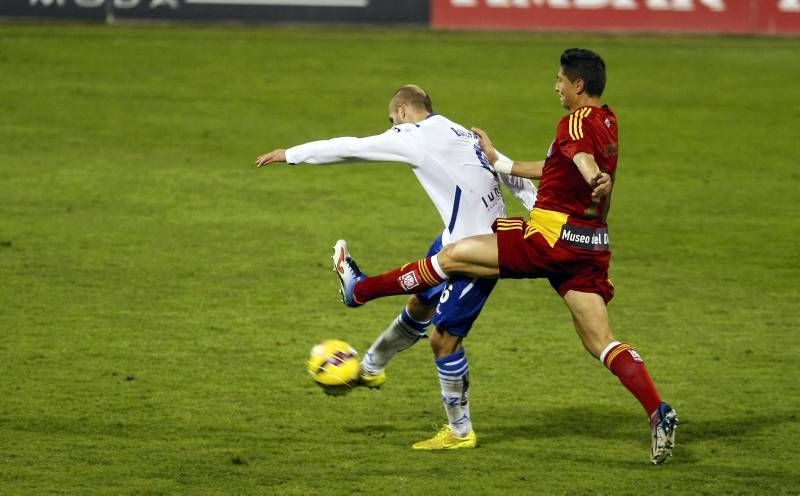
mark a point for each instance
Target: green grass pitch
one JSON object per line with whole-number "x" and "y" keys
{"x": 159, "y": 294}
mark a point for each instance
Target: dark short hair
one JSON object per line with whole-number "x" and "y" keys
{"x": 580, "y": 63}
{"x": 415, "y": 96}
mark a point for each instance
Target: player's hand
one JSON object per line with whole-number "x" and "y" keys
{"x": 486, "y": 144}
{"x": 277, "y": 155}
{"x": 601, "y": 185}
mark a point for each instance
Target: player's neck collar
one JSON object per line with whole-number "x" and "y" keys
{"x": 586, "y": 106}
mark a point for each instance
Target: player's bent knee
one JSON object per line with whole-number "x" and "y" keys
{"x": 475, "y": 257}
{"x": 446, "y": 258}
{"x": 418, "y": 310}
{"x": 443, "y": 343}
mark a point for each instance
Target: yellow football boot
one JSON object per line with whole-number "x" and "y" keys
{"x": 445, "y": 439}
{"x": 371, "y": 381}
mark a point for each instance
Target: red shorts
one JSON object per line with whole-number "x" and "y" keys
{"x": 565, "y": 266}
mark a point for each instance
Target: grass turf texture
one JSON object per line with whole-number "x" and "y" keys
{"x": 160, "y": 294}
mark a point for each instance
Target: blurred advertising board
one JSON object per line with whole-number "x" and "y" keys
{"x": 692, "y": 16}
{"x": 697, "y": 16}
{"x": 331, "y": 11}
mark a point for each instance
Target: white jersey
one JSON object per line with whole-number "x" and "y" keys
{"x": 448, "y": 162}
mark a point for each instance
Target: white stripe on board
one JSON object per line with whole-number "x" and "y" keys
{"x": 297, "y": 3}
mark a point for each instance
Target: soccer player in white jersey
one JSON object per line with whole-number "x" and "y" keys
{"x": 454, "y": 171}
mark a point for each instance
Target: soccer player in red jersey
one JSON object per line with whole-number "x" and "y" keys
{"x": 565, "y": 240}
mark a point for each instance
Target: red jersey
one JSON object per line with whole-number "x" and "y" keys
{"x": 562, "y": 188}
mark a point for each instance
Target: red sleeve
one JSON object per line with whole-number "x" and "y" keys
{"x": 575, "y": 134}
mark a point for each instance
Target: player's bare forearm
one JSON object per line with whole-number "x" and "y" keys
{"x": 600, "y": 181}
{"x": 530, "y": 170}
{"x": 587, "y": 166}
{"x": 277, "y": 155}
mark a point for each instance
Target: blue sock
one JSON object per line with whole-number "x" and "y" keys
{"x": 454, "y": 379}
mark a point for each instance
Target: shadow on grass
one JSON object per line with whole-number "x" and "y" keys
{"x": 568, "y": 421}
{"x": 613, "y": 423}
{"x": 371, "y": 428}
{"x": 391, "y": 426}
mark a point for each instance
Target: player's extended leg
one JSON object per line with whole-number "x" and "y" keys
{"x": 459, "y": 306}
{"x": 590, "y": 314}
{"x": 472, "y": 257}
{"x": 405, "y": 330}
{"x": 453, "y": 370}
{"x": 475, "y": 256}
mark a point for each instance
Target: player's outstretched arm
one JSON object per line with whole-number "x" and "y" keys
{"x": 600, "y": 181}
{"x": 391, "y": 146}
{"x": 277, "y": 155}
{"x": 530, "y": 170}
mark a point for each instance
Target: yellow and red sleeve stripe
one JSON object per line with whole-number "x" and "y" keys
{"x": 576, "y": 122}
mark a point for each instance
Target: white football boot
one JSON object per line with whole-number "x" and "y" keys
{"x": 662, "y": 428}
{"x": 348, "y": 272}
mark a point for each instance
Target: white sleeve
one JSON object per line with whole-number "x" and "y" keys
{"x": 520, "y": 187}
{"x": 395, "y": 145}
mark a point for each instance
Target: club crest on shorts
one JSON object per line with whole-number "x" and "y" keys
{"x": 408, "y": 281}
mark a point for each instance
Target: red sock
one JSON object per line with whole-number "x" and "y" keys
{"x": 628, "y": 366}
{"x": 410, "y": 278}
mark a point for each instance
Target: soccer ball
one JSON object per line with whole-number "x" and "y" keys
{"x": 334, "y": 366}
